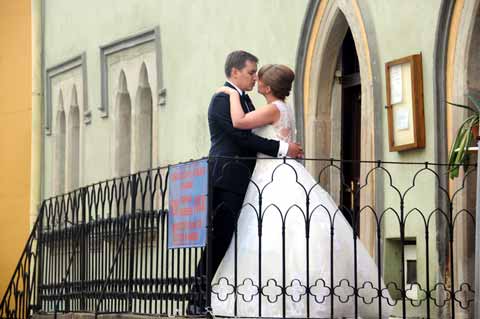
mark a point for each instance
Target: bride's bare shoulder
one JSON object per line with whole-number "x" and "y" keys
{"x": 272, "y": 105}
{"x": 277, "y": 105}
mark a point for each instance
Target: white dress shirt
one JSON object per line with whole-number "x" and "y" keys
{"x": 283, "y": 147}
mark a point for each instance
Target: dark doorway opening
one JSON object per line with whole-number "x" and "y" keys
{"x": 351, "y": 127}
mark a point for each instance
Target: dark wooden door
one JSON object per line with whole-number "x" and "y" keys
{"x": 351, "y": 127}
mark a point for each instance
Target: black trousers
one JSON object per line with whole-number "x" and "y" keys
{"x": 226, "y": 208}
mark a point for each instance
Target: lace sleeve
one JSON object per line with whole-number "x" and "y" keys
{"x": 285, "y": 126}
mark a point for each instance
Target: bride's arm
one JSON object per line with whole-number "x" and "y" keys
{"x": 258, "y": 118}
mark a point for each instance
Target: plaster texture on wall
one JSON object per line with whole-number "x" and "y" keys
{"x": 66, "y": 95}
{"x": 130, "y": 62}
{"x": 400, "y": 32}
{"x": 195, "y": 38}
{"x": 393, "y": 30}
{"x": 139, "y": 67}
{"x": 69, "y": 83}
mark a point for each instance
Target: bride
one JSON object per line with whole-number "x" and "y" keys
{"x": 282, "y": 260}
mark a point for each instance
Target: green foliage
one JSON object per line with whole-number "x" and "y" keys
{"x": 459, "y": 151}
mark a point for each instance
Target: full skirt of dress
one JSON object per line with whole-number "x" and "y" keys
{"x": 271, "y": 240}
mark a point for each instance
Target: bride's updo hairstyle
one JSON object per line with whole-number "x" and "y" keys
{"x": 278, "y": 77}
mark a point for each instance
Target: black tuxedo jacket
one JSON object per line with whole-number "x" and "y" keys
{"x": 233, "y": 175}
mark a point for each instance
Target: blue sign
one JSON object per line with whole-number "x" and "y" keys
{"x": 187, "y": 204}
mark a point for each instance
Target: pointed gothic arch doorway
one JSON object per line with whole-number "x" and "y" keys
{"x": 461, "y": 78}
{"x": 336, "y": 95}
{"x": 351, "y": 112}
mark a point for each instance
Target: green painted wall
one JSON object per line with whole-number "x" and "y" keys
{"x": 399, "y": 32}
{"x": 403, "y": 28}
{"x": 195, "y": 36}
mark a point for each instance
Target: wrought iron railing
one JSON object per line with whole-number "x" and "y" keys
{"x": 19, "y": 299}
{"x": 103, "y": 248}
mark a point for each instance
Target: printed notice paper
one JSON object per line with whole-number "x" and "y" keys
{"x": 396, "y": 84}
{"x": 401, "y": 119}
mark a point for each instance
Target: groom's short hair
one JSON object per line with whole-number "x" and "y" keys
{"x": 237, "y": 59}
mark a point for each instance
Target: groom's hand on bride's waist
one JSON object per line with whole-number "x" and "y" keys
{"x": 295, "y": 150}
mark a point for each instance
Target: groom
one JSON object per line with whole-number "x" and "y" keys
{"x": 230, "y": 177}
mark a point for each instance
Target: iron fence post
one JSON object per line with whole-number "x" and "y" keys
{"x": 208, "y": 271}
{"x": 131, "y": 249}
{"x": 83, "y": 251}
{"x": 39, "y": 262}
{"x": 477, "y": 239}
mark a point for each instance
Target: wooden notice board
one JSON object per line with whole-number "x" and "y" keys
{"x": 406, "y": 119}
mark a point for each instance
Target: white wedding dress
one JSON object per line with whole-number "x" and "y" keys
{"x": 284, "y": 203}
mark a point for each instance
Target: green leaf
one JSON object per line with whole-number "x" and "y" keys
{"x": 463, "y": 106}
{"x": 475, "y": 102}
{"x": 459, "y": 152}
{"x": 454, "y": 172}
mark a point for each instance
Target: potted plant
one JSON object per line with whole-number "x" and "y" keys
{"x": 467, "y": 133}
